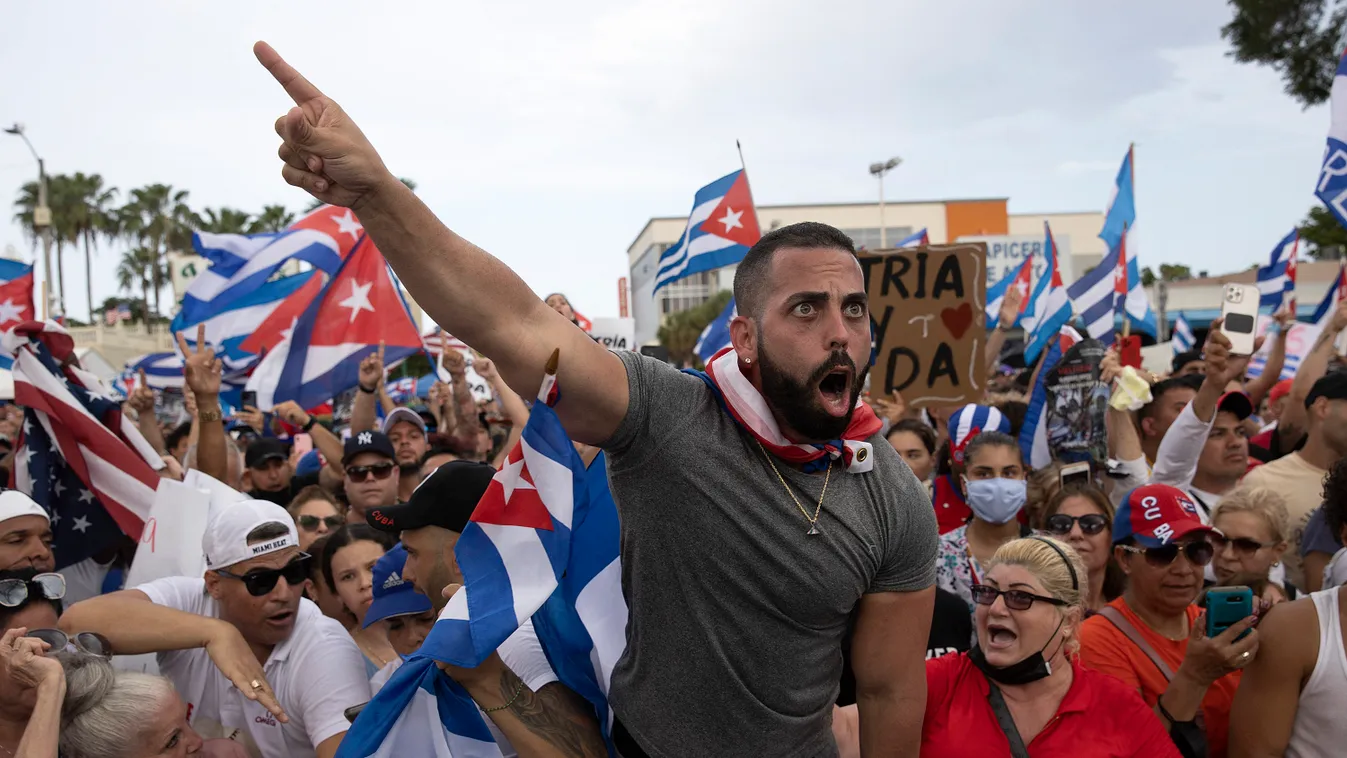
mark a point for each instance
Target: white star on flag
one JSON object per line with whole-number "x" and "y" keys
{"x": 86, "y": 496}
{"x": 55, "y": 519}
{"x": 348, "y": 225}
{"x": 731, "y": 219}
{"x": 511, "y": 477}
{"x": 58, "y": 488}
{"x": 359, "y": 299}
{"x": 81, "y": 524}
{"x": 10, "y": 312}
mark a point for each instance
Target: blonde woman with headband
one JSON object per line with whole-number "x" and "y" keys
{"x": 1020, "y": 692}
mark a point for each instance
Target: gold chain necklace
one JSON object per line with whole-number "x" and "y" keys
{"x": 813, "y": 522}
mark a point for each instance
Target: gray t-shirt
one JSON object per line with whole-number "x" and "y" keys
{"x": 736, "y": 614}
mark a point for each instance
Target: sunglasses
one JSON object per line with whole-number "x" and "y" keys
{"x": 1090, "y": 523}
{"x": 15, "y": 592}
{"x": 1016, "y": 600}
{"x": 1198, "y": 553}
{"x": 359, "y": 474}
{"x": 310, "y": 523}
{"x": 92, "y": 643}
{"x": 262, "y": 581}
{"x": 1242, "y": 545}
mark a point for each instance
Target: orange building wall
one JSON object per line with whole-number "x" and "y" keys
{"x": 976, "y": 217}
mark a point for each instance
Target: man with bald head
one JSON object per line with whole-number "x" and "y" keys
{"x": 762, "y": 514}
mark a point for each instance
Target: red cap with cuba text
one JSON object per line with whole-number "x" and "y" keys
{"x": 1155, "y": 515}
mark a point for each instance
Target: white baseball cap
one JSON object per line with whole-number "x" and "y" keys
{"x": 14, "y": 504}
{"x": 403, "y": 413}
{"x": 225, "y": 542}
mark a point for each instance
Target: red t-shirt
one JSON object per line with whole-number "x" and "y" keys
{"x": 951, "y": 512}
{"x": 1098, "y": 718}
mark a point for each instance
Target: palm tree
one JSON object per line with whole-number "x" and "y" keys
{"x": 223, "y": 221}
{"x": 24, "y": 205}
{"x": 316, "y": 204}
{"x": 158, "y": 219}
{"x": 137, "y": 267}
{"x": 91, "y": 217}
{"x": 273, "y": 218}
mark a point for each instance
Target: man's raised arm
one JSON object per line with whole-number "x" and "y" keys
{"x": 465, "y": 290}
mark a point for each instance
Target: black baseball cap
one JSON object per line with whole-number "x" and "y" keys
{"x": 264, "y": 449}
{"x": 1332, "y": 385}
{"x": 1237, "y": 403}
{"x": 445, "y": 499}
{"x": 1183, "y": 359}
{"x": 367, "y": 442}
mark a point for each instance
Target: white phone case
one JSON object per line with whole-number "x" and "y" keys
{"x": 1239, "y": 309}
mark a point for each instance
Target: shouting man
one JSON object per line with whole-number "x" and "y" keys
{"x": 761, "y": 509}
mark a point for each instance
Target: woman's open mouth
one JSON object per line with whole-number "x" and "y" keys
{"x": 1000, "y": 637}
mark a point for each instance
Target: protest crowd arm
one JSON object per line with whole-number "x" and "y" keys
{"x": 135, "y": 625}
{"x": 211, "y": 456}
{"x": 1257, "y": 389}
{"x": 149, "y": 429}
{"x": 1181, "y": 447}
{"x": 370, "y": 381}
{"x": 1010, "y": 311}
{"x": 510, "y": 403}
{"x": 362, "y": 411}
{"x": 892, "y": 629}
{"x": 1294, "y": 421}
{"x": 324, "y": 440}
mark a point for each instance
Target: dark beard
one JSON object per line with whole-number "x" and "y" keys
{"x": 798, "y": 402}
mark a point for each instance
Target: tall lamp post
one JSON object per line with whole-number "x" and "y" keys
{"x": 41, "y": 214}
{"x": 879, "y": 170}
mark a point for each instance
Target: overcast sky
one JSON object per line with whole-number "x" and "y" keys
{"x": 550, "y": 132}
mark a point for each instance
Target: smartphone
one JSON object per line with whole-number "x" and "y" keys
{"x": 1129, "y": 351}
{"x": 301, "y": 444}
{"x": 250, "y": 398}
{"x": 354, "y": 711}
{"x": 1227, "y": 606}
{"x": 1239, "y": 308}
{"x": 1077, "y": 474}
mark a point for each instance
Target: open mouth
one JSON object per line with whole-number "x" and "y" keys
{"x": 834, "y": 388}
{"x": 1000, "y": 637}
{"x": 280, "y": 619}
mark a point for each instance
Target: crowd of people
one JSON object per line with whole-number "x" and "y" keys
{"x": 810, "y": 568}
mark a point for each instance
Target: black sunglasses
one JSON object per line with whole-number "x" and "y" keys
{"x": 361, "y": 473}
{"x": 1090, "y": 523}
{"x": 1242, "y": 545}
{"x": 262, "y": 581}
{"x": 1016, "y": 600}
{"x": 310, "y": 523}
{"x": 14, "y": 592}
{"x": 1198, "y": 553}
{"x": 90, "y": 642}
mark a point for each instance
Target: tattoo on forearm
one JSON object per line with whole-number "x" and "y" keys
{"x": 558, "y": 715}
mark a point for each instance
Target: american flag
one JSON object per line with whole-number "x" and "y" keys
{"x": 78, "y": 457}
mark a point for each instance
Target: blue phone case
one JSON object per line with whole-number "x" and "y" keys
{"x": 1227, "y": 606}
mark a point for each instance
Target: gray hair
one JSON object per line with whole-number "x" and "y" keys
{"x": 104, "y": 708}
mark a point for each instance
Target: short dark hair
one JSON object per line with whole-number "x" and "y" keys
{"x": 1014, "y": 411}
{"x": 1184, "y": 358}
{"x": 345, "y": 536}
{"x": 272, "y": 530}
{"x": 924, "y": 433}
{"x": 990, "y": 439}
{"x": 34, "y": 595}
{"x": 754, "y": 272}
{"x": 178, "y": 435}
{"x": 1158, "y": 390}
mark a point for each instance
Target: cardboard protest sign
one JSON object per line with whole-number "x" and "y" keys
{"x": 927, "y": 311}
{"x": 1078, "y": 404}
{"x": 614, "y": 333}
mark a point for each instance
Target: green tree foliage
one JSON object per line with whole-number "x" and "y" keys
{"x": 1322, "y": 236}
{"x": 1300, "y": 39}
{"x": 680, "y": 330}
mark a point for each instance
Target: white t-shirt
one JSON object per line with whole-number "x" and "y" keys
{"x": 316, "y": 674}
{"x": 84, "y": 580}
{"x": 521, "y": 653}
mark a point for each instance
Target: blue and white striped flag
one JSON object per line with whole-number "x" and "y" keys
{"x": 1118, "y": 234}
{"x": 1182, "y": 339}
{"x": 228, "y": 327}
{"x": 1277, "y": 280}
{"x": 721, "y": 228}
{"x": 162, "y": 371}
{"x": 1049, "y": 308}
{"x": 996, "y": 294}
{"x": 716, "y": 336}
{"x": 240, "y": 264}
{"x": 1034, "y": 432}
{"x": 1332, "y": 185}
{"x": 916, "y": 239}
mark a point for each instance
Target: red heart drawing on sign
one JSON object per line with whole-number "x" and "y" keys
{"x": 957, "y": 320}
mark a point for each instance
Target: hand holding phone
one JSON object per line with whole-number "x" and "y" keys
{"x": 1227, "y": 606}
{"x": 1239, "y": 313}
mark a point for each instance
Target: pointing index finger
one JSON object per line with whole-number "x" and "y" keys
{"x": 299, "y": 88}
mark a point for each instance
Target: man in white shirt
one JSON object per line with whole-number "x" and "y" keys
{"x": 533, "y": 712}
{"x": 254, "y": 661}
{"x": 25, "y": 533}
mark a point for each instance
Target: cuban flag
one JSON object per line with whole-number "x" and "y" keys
{"x": 237, "y": 332}
{"x": 1332, "y": 185}
{"x": 1118, "y": 233}
{"x": 996, "y": 294}
{"x": 916, "y": 239}
{"x": 716, "y": 336}
{"x": 77, "y": 455}
{"x": 1337, "y": 292}
{"x": 320, "y": 359}
{"x": 402, "y": 390}
{"x": 1034, "y": 432}
{"x": 162, "y": 371}
{"x": 1050, "y": 308}
{"x": 722, "y": 227}
{"x": 1182, "y": 339}
{"x": 16, "y": 298}
{"x": 1277, "y": 280}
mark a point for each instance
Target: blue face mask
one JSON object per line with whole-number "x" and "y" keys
{"x": 995, "y": 501}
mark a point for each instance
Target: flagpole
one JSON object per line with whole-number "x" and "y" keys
{"x": 747, "y": 182}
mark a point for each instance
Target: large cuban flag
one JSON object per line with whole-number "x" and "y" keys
{"x": 16, "y": 299}
{"x": 1049, "y": 308}
{"x": 716, "y": 336}
{"x": 722, "y": 227}
{"x": 1332, "y": 185}
{"x": 1277, "y": 280}
{"x": 996, "y": 294}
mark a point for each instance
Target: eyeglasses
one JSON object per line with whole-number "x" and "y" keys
{"x": 92, "y": 643}
{"x": 359, "y": 474}
{"x": 262, "y": 581}
{"x": 310, "y": 523}
{"x": 1016, "y": 600}
{"x": 14, "y": 592}
{"x": 1090, "y": 523}
{"x": 1198, "y": 553}
{"x": 1242, "y": 545}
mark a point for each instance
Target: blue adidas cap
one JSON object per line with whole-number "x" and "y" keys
{"x": 392, "y": 595}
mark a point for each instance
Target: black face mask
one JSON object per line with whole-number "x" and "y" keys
{"x": 279, "y": 497}
{"x": 1031, "y": 669}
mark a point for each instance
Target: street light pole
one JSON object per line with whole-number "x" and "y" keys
{"x": 879, "y": 170}
{"x": 41, "y": 215}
